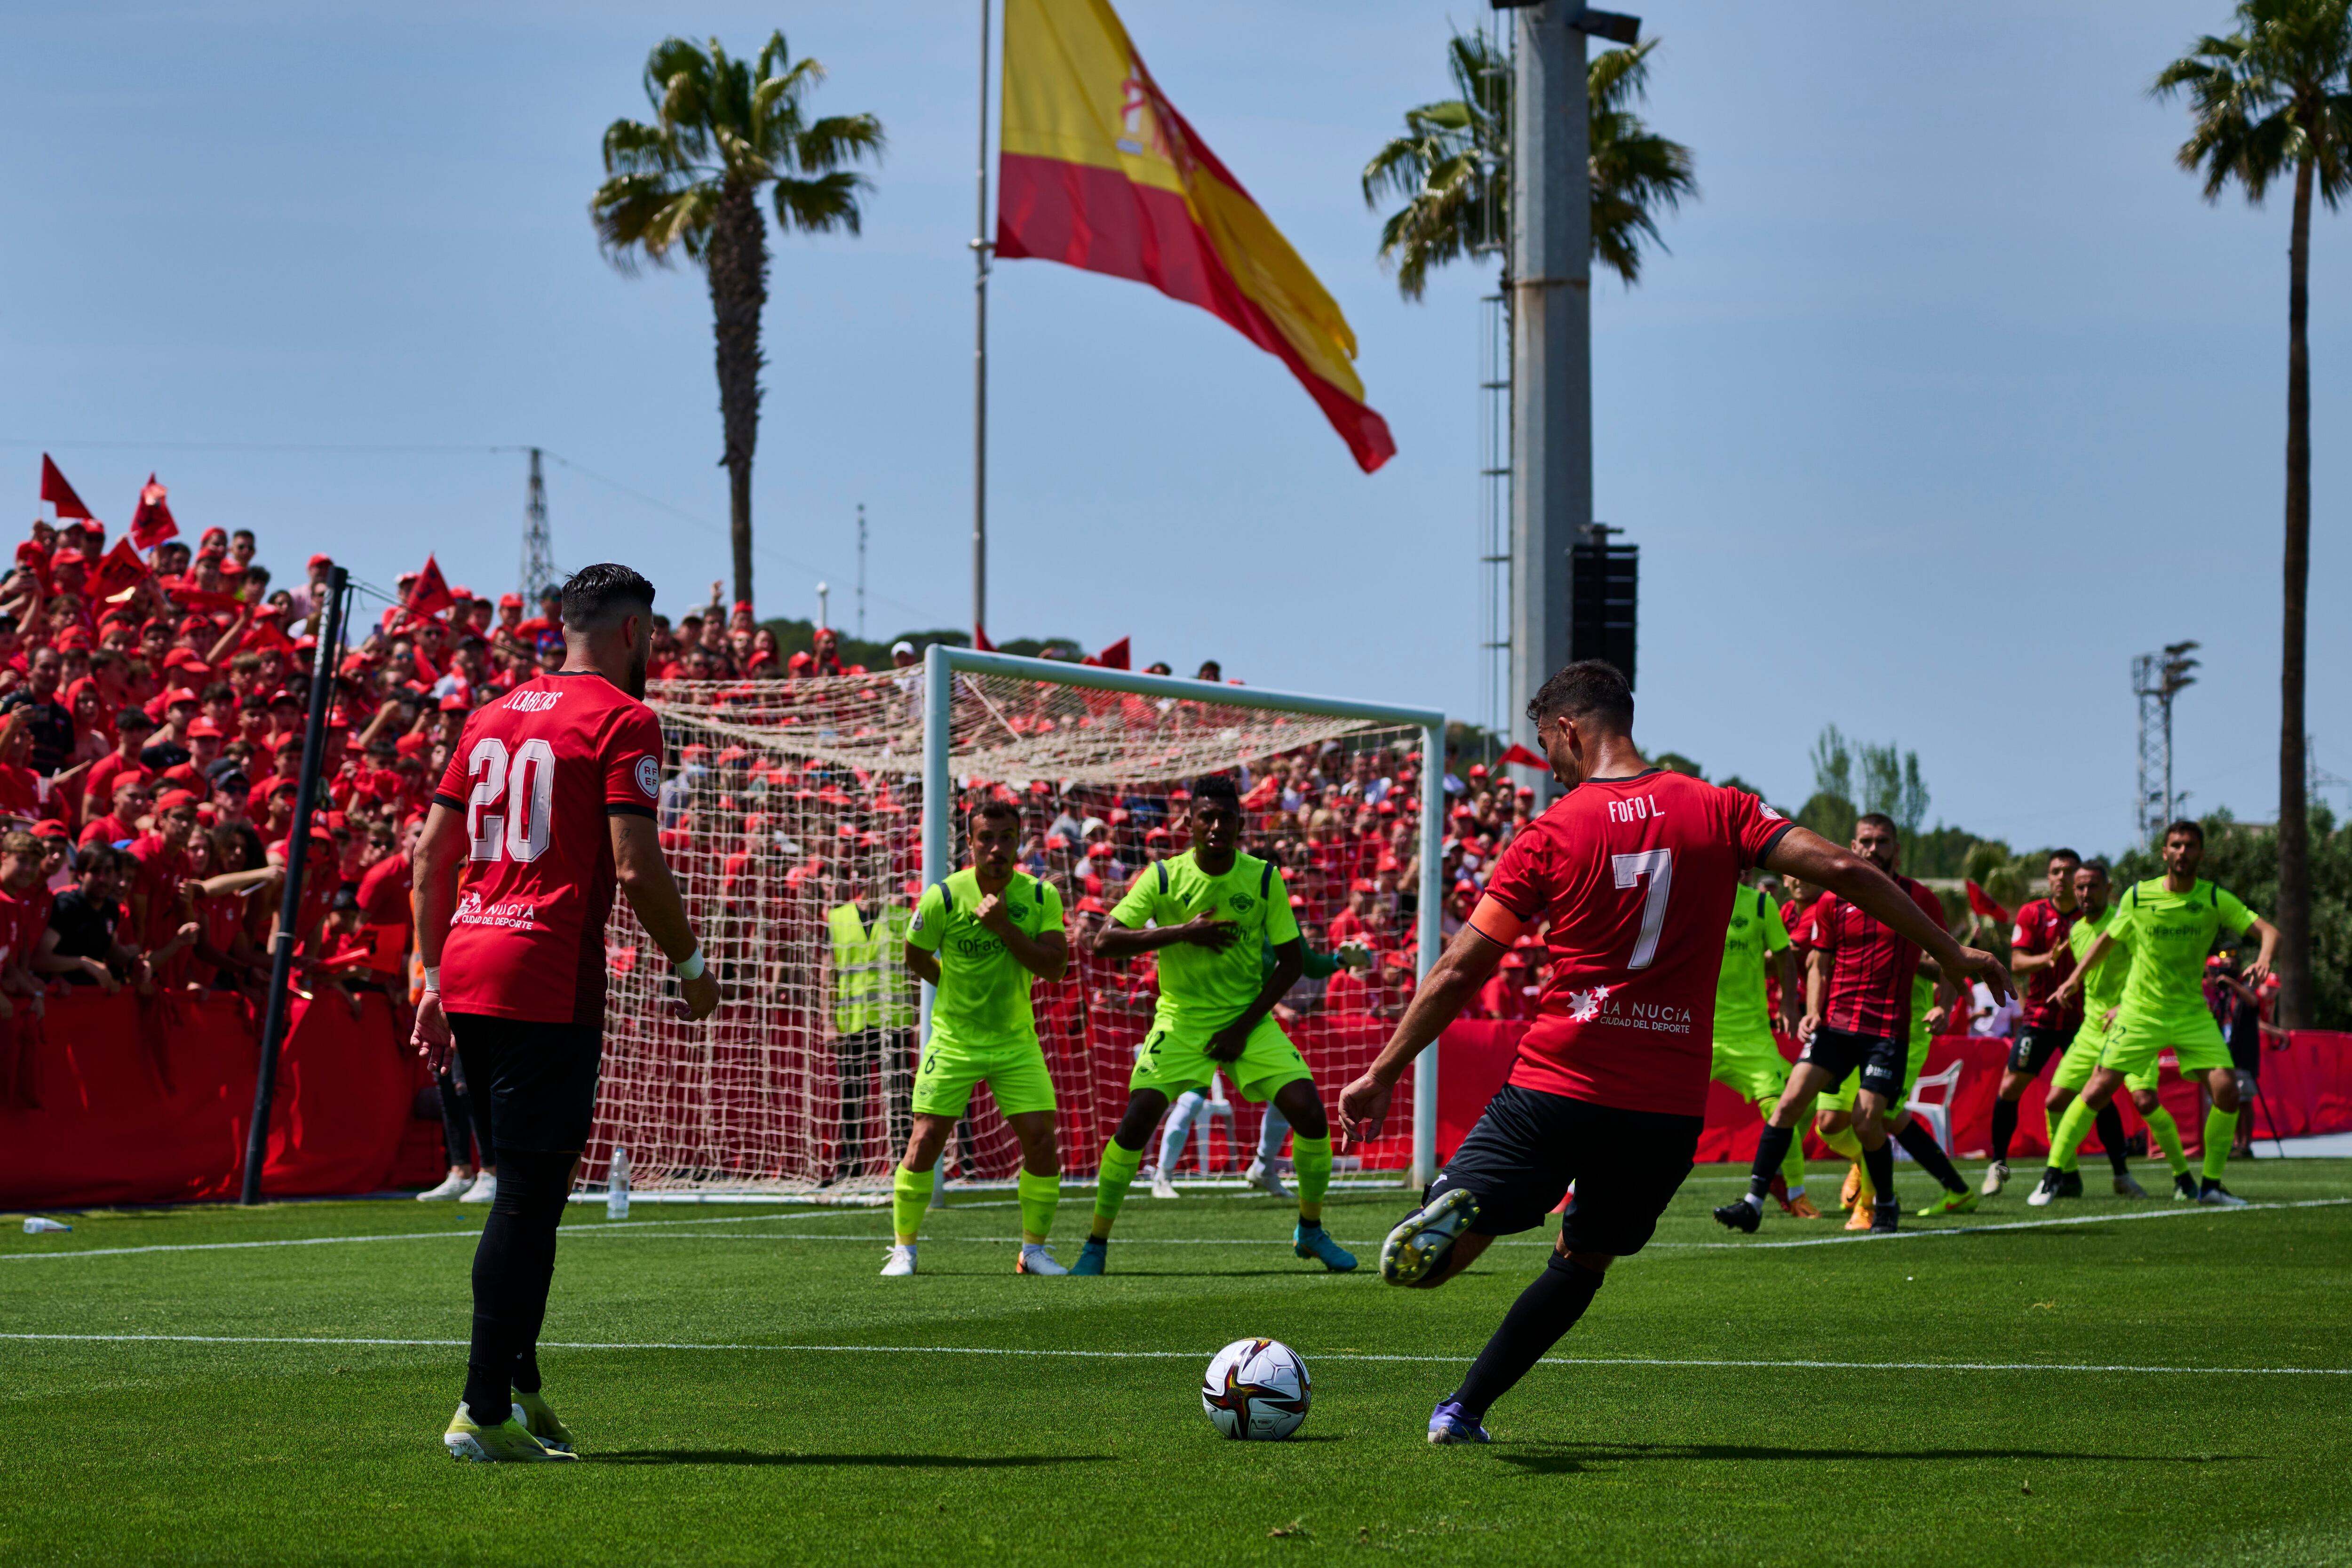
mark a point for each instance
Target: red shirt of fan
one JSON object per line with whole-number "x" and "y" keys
{"x": 1870, "y": 968}
{"x": 537, "y": 772}
{"x": 2042, "y": 927}
{"x": 1634, "y": 876}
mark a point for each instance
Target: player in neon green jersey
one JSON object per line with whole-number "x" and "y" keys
{"x": 980, "y": 937}
{"x": 2103, "y": 995}
{"x": 2170, "y": 922}
{"x": 1745, "y": 1057}
{"x": 1206, "y": 913}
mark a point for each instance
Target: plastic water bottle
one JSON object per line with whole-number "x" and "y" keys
{"x": 617, "y": 1187}
{"x": 35, "y": 1225}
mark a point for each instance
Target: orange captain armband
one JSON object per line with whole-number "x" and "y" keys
{"x": 1496, "y": 923}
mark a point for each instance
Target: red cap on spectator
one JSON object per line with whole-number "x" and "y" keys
{"x": 71, "y": 639}
{"x": 68, "y": 556}
{"x": 214, "y": 535}
{"x": 282, "y": 695}
{"x": 50, "y": 829}
{"x": 181, "y": 694}
{"x": 1477, "y": 770}
{"x": 172, "y": 799}
{"x": 410, "y": 745}
{"x": 319, "y": 561}
{"x": 205, "y": 727}
{"x": 1363, "y": 885}
{"x": 283, "y": 786}
{"x": 453, "y": 703}
{"x": 510, "y": 599}
{"x": 1092, "y": 906}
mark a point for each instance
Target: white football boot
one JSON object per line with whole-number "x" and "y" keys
{"x": 901, "y": 1261}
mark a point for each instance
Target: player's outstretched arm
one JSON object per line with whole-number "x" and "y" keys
{"x": 1450, "y": 984}
{"x": 1802, "y": 853}
{"x": 2267, "y": 934}
{"x": 433, "y": 899}
{"x": 643, "y": 872}
{"x": 2100, "y": 946}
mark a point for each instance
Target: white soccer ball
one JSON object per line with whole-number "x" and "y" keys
{"x": 1256, "y": 1390}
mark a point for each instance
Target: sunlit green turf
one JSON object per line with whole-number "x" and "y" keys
{"x": 123, "y": 1450}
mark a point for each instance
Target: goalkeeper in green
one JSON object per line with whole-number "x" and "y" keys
{"x": 1207, "y": 913}
{"x": 1745, "y": 1056}
{"x": 979, "y": 937}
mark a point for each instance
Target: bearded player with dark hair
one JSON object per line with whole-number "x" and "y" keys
{"x": 1630, "y": 875}
{"x": 547, "y": 807}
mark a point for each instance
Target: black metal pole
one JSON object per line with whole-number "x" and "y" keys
{"x": 325, "y": 661}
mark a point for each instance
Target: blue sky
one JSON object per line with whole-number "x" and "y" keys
{"x": 1950, "y": 397}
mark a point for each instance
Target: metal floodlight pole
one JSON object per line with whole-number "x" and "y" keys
{"x": 1551, "y": 341}
{"x": 325, "y": 659}
{"x": 940, "y": 664}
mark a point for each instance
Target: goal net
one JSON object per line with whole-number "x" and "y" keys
{"x": 792, "y": 816}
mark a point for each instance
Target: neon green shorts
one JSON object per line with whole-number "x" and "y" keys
{"x": 1842, "y": 1098}
{"x": 2082, "y": 1058}
{"x": 1757, "y": 1073}
{"x": 1015, "y": 1074}
{"x": 2133, "y": 1047}
{"x": 1172, "y": 1064}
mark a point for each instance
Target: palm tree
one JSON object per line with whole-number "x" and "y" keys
{"x": 690, "y": 180}
{"x": 1452, "y": 167}
{"x": 2276, "y": 97}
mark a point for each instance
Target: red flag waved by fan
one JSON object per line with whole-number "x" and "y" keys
{"x": 118, "y": 571}
{"x": 1986, "y": 905}
{"x": 980, "y": 643}
{"x": 59, "y": 494}
{"x": 1114, "y": 656}
{"x": 1520, "y": 757}
{"x": 151, "y": 523}
{"x": 430, "y": 593}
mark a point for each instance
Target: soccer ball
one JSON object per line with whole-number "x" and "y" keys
{"x": 1256, "y": 1390}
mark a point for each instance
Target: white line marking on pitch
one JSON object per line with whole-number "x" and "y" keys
{"x": 2014, "y": 1225}
{"x": 1183, "y": 1355}
{"x": 612, "y": 1228}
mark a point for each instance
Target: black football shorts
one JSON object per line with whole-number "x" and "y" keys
{"x": 1530, "y": 1146}
{"x": 1839, "y": 1051}
{"x": 538, "y": 1080}
{"x": 2035, "y": 1046}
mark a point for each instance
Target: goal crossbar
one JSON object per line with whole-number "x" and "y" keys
{"x": 942, "y": 663}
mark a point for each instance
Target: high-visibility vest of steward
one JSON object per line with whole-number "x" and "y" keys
{"x": 869, "y": 989}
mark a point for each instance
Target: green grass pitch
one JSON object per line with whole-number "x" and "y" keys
{"x": 971, "y": 1415}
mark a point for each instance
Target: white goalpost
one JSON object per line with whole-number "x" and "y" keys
{"x": 803, "y": 819}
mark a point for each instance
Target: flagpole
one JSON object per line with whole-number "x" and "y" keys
{"x": 981, "y": 247}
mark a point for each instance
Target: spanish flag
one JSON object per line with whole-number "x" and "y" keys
{"x": 1097, "y": 170}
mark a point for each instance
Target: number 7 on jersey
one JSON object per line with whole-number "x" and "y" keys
{"x": 1658, "y": 866}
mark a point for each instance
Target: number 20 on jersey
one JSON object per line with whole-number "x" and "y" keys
{"x": 512, "y": 800}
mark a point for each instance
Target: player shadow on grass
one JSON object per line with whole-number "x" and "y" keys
{"x": 1572, "y": 1459}
{"x": 905, "y": 1461}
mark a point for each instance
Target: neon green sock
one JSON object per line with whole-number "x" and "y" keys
{"x": 1310, "y": 1158}
{"x": 1843, "y": 1143}
{"x": 2072, "y": 1160}
{"x": 2072, "y": 1128}
{"x": 2167, "y": 1133}
{"x": 910, "y": 1194}
{"x": 1040, "y": 1196}
{"x": 1118, "y": 1174}
{"x": 1792, "y": 1168}
{"x": 2221, "y": 1131}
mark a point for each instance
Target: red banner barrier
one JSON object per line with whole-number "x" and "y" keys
{"x": 2307, "y": 1085}
{"x": 150, "y": 1105}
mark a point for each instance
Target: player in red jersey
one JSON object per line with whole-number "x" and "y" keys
{"x": 1632, "y": 873}
{"x": 548, "y": 804}
{"x": 1858, "y": 1005}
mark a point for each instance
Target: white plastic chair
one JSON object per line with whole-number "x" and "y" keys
{"x": 1937, "y": 1112}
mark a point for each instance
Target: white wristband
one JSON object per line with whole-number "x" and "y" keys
{"x": 690, "y": 967}
{"x": 433, "y": 978}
